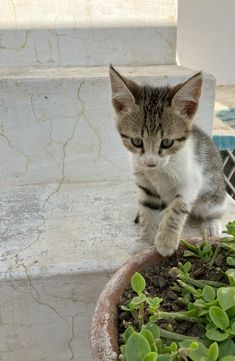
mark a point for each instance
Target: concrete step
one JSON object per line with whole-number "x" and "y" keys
{"x": 58, "y": 249}
{"x": 57, "y": 125}
{"x": 81, "y": 33}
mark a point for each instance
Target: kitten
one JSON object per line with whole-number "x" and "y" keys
{"x": 177, "y": 167}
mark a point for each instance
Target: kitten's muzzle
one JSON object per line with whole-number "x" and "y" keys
{"x": 150, "y": 163}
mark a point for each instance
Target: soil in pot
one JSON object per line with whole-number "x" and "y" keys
{"x": 163, "y": 281}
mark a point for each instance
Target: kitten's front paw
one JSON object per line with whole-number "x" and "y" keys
{"x": 213, "y": 227}
{"x": 166, "y": 243}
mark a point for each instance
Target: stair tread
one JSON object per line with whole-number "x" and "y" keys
{"x": 72, "y": 228}
{"x": 97, "y": 71}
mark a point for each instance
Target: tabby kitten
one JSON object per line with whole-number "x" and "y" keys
{"x": 177, "y": 167}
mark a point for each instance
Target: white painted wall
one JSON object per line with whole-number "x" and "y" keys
{"x": 87, "y": 33}
{"x": 206, "y": 37}
{"x": 47, "y": 14}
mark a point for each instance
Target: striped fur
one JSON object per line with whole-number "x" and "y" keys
{"x": 174, "y": 180}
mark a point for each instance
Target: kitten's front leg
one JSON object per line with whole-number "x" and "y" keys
{"x": 150, "y": 212}
{"x": 171, "y": 226}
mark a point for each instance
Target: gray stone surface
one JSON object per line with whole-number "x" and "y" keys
{"x": 57, "y": 125}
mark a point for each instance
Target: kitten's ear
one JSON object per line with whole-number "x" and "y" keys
{"x": 123, "y": 91}
{"x": 186, "y": 96}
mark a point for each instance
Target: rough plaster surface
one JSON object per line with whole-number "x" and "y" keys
{"x": 25, "y": 14}
{"x": 48, "y": 319}
{"x": 87, "y": 33}
{"x": 58, "y": 248}
{"x": 88, "y": 46}
{"x": 57, "y": 125}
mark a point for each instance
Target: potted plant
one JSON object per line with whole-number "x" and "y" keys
{"x": 178, "y": 308}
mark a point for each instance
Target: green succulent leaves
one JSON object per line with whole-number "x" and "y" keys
{"x": 138, "y": 283}
{"x": 137, "y": 347}
{"x": 208, "y": 304}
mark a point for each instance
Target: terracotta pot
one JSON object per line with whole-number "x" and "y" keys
{"x": 104, "y": 328}
{"x": 104, "y": 335}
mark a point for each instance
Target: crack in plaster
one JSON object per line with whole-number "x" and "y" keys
{"x": 73, "y": 336}
{"x": 54, "y": 32}
{"x": 68, "y": 140}
{"x": 10, "y": 145}
{"x": 21, "y": 47}
{"x": 36, "y": 297}
{"x": 37, "y": 55}
{"x": 95, "y": 131}
{"x": 51, "y": 194}
{"x": 38, "y": 119}
{"x": 50, "y": 60}
{"x": 73, "y": 331}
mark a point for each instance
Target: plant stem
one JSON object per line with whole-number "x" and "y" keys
{"x": 189, "y": 246}
{"x": 216, "y": 252}
{"x": 134, "y": 315}
{"x": 141, "y": 315}
{"x": 176, "y": 336}
{"x": 202, "y": 283}
{"x": 177, "y": 316}
{"x": 187, "y": 287}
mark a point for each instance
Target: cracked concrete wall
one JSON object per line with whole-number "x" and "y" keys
{"x": 48, "y": 318}
{"x": 97, "y": 46}
{"x": 81, "y": 33}
{"x": 28, "y": 14}
{"x": 59, "y": 126}
{"x": 55, "y": 128}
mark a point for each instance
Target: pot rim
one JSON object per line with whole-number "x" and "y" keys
{"x": 104, "y": 331}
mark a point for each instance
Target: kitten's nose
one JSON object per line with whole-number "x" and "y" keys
{"x": 150, "y": 163}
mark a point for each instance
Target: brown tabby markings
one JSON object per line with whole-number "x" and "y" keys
{"x": 186, "y": 177}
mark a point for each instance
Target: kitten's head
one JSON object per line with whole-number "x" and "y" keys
{"x": 154, "y": 123}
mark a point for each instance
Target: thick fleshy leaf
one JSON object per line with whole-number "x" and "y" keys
{"x": 231, "y": 276}
{"x": 228, "y": 358}
{"x": 226, "y": 297}
{"x": 208, "y": 293}
{"x": 148, "y": 335}
{"x": 154, "y": 329}
{"x": 151, "y": 356}
{"x": 226, "y": 348}
{"x": 166, "y": 357}
{"x": 127, "y": 333}
{"x": 154, "y": 302}
{"x": 196, "y": 354}
{"x": 138, "y": 283}
{"x": 213, "y": 352}
{"x": 216, "y": 335}
{"x": 137, "y": 347}
{"x": 219, "y": 317}
{"x": 232, "y": 328}
{"x": 230, "y": 228}
{"x": 188, "y": 253}
{"x": 230, "y": 261}
{"x": 174, "y": 347}
{"x": 137, "y": 300}
{"x": 187, "y": 267}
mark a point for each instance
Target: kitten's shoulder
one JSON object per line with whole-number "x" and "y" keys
{"x": 199, "y": 134}
{"x": 205, "y": 150}
{"x": 202, "y": 140}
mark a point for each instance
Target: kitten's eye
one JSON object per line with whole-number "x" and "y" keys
{"x": 137, "y": 142}
{"x": 166, "y": 143}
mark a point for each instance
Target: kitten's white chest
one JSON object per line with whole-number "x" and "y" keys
{"x": 182, "y": 176}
